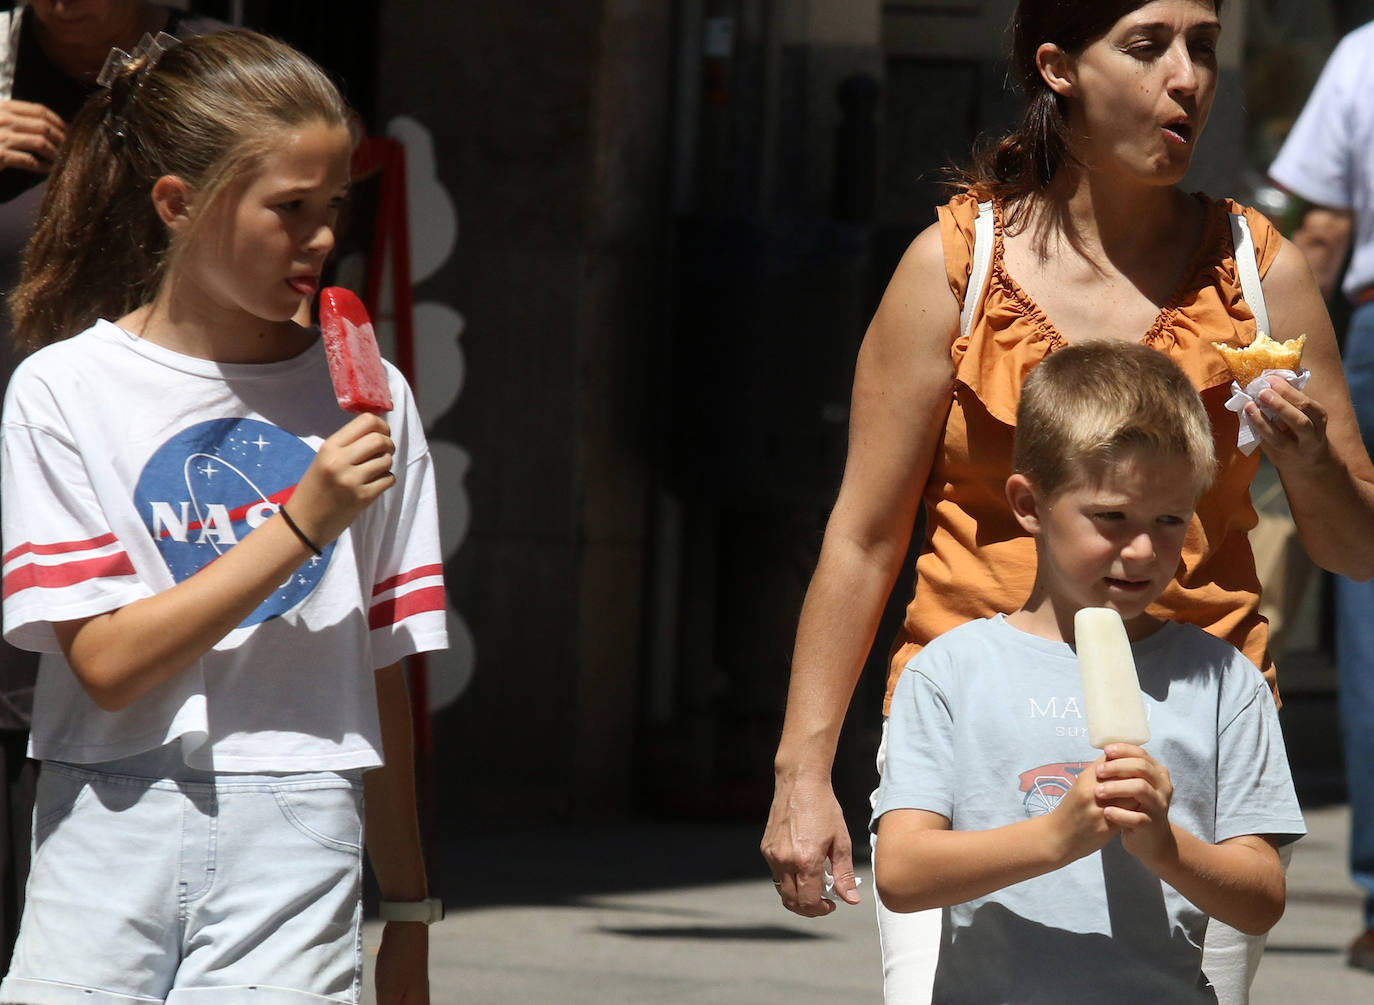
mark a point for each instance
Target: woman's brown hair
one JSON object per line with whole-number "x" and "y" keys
{"x": 206, "y": 111}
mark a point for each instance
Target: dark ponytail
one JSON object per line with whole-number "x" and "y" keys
{"x": 96, "y": 249}
{"x": 1024, "y": 161}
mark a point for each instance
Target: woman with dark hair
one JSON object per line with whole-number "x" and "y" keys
{"x": 1086, "y": 236}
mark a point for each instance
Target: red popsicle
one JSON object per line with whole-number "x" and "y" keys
{"x": 355, "y": 364}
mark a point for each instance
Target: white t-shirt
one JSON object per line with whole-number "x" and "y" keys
{"x": 126, "y": 468}
{"x": 1328, "y": 157}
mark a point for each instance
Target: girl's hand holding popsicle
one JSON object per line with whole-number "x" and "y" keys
{"x": 353, "y": 467}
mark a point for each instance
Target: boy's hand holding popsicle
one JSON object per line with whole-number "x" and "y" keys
{"x": 1126, "y": 792}
{"x": 1083, "y": 827}
{"x": 1133, "y": 789}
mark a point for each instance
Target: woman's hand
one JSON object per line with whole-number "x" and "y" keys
{"x": 1294, "y": 430}
{"x": 351, "y": 469}
{"x": 805, "y": 827}
{"x": 30, "y": 136}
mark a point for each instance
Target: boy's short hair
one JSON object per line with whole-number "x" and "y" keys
{"x": 1089, "y": 404}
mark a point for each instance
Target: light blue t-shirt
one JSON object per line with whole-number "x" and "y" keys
{"x": 987, "y": 728}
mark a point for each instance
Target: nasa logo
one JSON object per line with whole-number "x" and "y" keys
{"x": 209, "y": 485}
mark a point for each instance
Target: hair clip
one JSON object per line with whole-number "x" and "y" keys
{"x": 119, "y": 64}
{"x": 149, "y": 49}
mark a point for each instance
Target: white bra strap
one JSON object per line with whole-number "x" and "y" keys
{"x": 1250, "y": 286}
{"x": 983, "y": 239}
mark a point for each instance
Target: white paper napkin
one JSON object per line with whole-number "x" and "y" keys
{"x": 1247, "y": 440}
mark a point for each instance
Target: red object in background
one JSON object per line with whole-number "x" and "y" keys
{"x": 715, "y": 87}
{"x": 386, "y": 158}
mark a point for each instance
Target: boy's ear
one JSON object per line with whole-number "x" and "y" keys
{"x": 1024, "y": 504}
{"x": 172, "y": 201}
{"x": 1056, "y": 69}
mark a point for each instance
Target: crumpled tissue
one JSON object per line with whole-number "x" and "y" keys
{"x": 1247, "y": 439}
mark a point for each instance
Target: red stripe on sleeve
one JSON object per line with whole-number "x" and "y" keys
{"x": 407, "y": 577}
{"x": 397, "y": 609}
{"x": 54, "y": 577}
{"x": 61, "y": 548}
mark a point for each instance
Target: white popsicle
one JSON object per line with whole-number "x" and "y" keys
{"x": 1111, "y": 689}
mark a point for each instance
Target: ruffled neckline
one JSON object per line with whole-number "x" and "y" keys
{"x": 1214, "y": 243}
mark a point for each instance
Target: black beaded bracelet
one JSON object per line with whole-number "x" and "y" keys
{"x": 297, "y": 531}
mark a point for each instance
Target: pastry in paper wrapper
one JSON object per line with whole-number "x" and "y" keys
{"x": 1249, "y": 365}
{"x": 1262, "y": 354}
{"x": 355, "y": 363}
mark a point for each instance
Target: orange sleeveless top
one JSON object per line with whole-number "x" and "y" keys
{"x": 974, "y": 558}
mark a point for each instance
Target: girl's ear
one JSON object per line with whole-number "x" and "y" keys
{"x": 172, "y": 200}
{"x": 1056, "y": 68}
{"x": 1025, "y": 506}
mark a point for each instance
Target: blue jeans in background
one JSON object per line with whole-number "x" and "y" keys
{"x": 1355, "y": 637}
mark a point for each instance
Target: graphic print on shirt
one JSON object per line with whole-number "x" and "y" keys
{"x": 209, "y": 485}
{"x": 1046, "y": 785}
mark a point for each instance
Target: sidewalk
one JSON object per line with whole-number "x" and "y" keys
{"x": 1305, "y": 958}
{"x": 653, "y": 912}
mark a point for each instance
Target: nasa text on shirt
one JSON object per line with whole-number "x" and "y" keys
{"x": 211, "y": 484}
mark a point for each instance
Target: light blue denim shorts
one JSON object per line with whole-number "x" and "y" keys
{"x": 158, "y": 883}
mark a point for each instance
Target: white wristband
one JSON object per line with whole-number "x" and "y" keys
{"x": 426, "y": 911}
